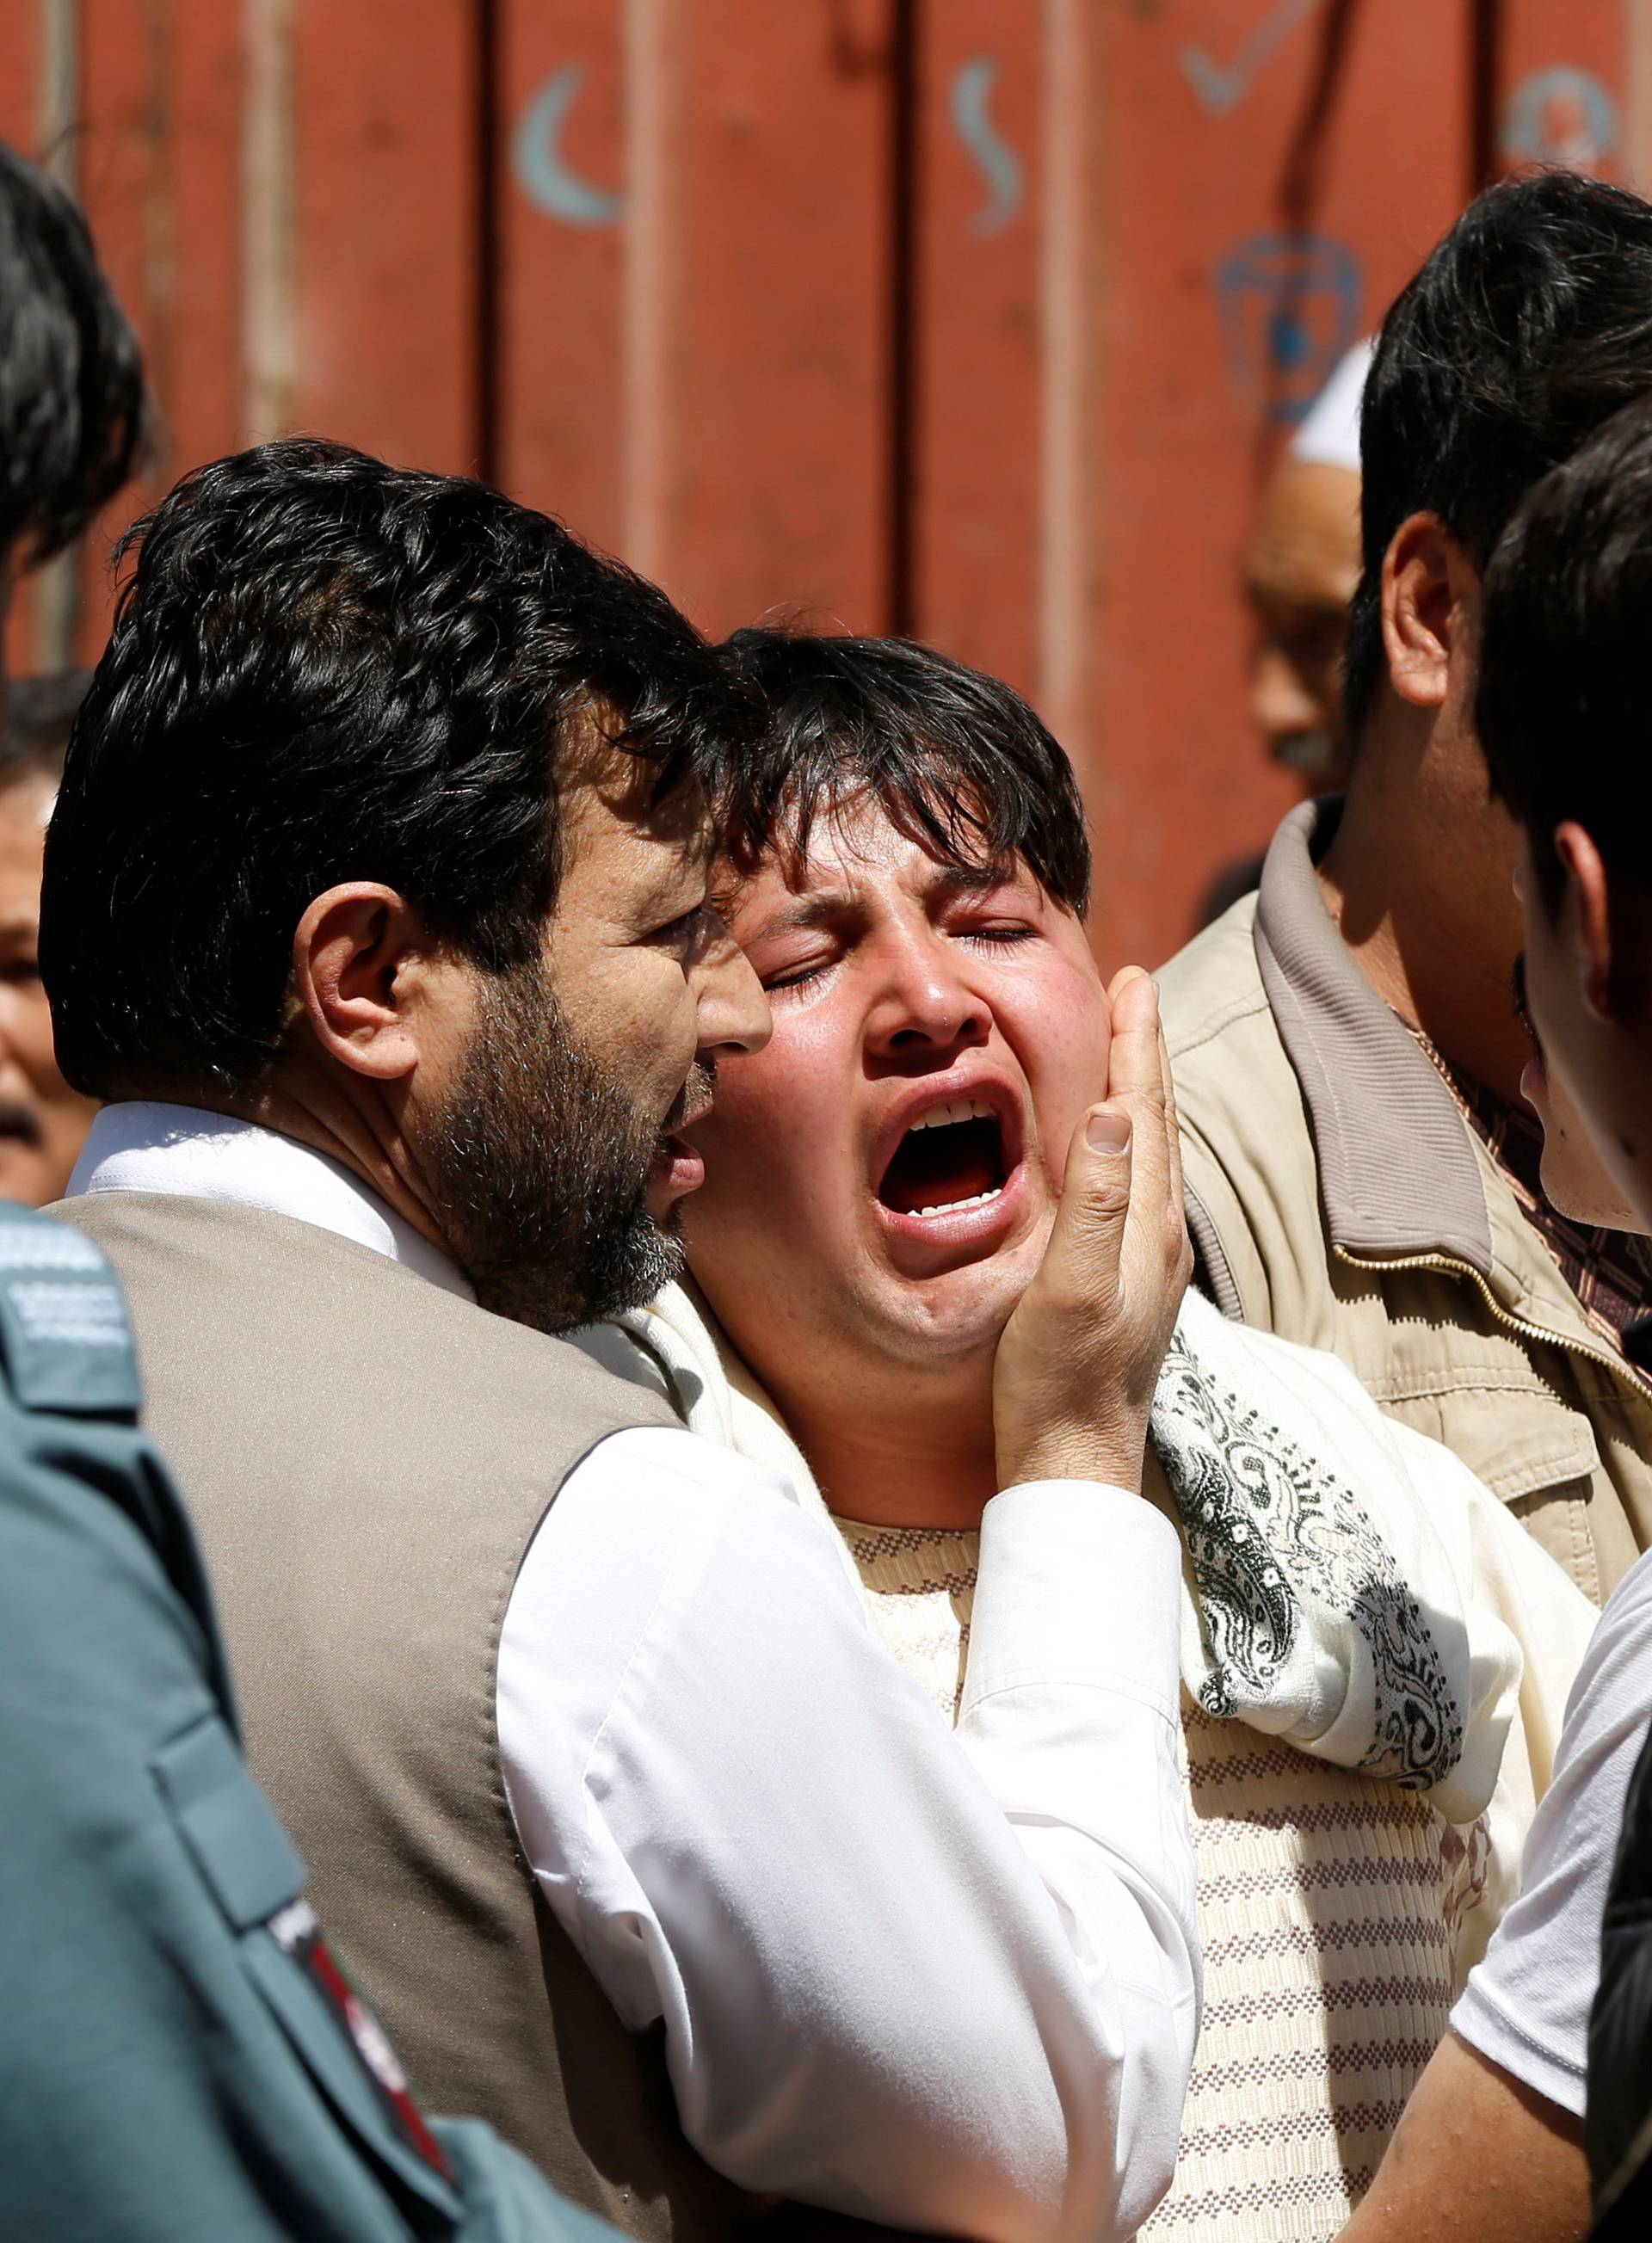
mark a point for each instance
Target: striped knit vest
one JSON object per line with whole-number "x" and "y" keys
{"x": 1329, "y": 1909}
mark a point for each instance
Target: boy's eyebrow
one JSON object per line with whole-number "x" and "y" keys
{"x": 821, "y": 905}
{"x": 816, "y": 909}
{"x": 972, "y": 880}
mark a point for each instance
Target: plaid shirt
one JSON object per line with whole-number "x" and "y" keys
{"x": 1609, "y": 1271}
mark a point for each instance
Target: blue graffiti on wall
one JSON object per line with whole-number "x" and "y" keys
{"x": 536, "y": 159}
{"x": 1223, "y": 86}
{"x": 1560, "y": 115}
{"x": 1289, "y": 305}
{"x": 1000, "y": 165}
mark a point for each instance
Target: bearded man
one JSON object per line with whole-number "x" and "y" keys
{"x": 908, "y": 871}
{"x": 375, "y": 901}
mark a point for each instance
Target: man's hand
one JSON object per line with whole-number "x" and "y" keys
{"x": 1079, "y": 1359}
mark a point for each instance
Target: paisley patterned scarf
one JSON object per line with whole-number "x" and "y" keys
{"x": 1322, "y": 1601}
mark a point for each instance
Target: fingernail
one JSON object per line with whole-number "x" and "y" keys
{"x": 1107, "y": 1133}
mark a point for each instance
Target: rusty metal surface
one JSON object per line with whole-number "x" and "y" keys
{"x": 980, "y": 318}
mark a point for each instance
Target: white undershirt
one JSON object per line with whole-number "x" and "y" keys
{"x": 1526, "y": 2006}
{"x": 948, "y": 1982}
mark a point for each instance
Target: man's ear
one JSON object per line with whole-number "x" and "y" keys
{"x": 1428, "y": 581}
{"x": 1605, "y": 926}
{"x": 351, "y": 959}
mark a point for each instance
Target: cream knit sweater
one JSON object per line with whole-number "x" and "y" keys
{"x": 1336, "y": 1915}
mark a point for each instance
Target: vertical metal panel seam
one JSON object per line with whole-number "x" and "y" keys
{"x": 904, "y": 407}
{"x": 487, "y": 311}
{"x": 58, "y": 92}
{"x": 1485, "y": 91}
{"x": 56, "y": 586}
{"x": 159, "y": 217}
{"x": 1637, "y": 72}
{"x": 268, "y": 219}
{"x": 648, "y": 324}
{"x": 1065, "y": 314}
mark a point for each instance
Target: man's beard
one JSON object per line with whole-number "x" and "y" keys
{"x": 539, "y": 1164}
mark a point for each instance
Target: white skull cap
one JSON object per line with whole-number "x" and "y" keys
{"x": 1330, "y": 429}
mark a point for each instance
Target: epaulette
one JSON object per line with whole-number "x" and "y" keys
{"x": 64, "y": 1340}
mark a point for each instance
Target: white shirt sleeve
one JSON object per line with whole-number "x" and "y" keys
{"x": 1526, "y": 2006}
{"x": 946, "y": 1981}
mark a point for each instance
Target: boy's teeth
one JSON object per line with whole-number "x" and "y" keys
{"x": 951, "y": 1206}
{"x": 956, "y": 1109}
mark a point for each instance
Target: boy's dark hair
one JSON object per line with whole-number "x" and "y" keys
{"x": 1564, "y": 705}
{"x": 38, "y": 722}
{"x": 71, "y": 382}
{"x": 324, "y": 668}
{"x": 958, "y": 761}
{"x": 1529, "y": 325}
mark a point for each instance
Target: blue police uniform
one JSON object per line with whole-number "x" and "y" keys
{"x": 180, "y": 2056}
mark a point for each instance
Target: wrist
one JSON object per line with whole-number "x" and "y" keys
{"x": 1114, "y": 1459}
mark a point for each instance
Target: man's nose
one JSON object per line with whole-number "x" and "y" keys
{"x": 925, "y": 1004}
{"x": 733, "y": 1012}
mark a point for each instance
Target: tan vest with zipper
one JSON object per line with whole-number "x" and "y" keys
{"x": 1338, "y": 1198}
{"x": 366, "y": 1457}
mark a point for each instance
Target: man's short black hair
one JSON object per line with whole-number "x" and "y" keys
{"x": 1529, "y": 324}
{"x": 323, "y": 669}
{"x": 39, "y": 719}
{"x": 71, "y": 382}
{"x": 1564, "y": 705}
{"x": 957, "y": 760}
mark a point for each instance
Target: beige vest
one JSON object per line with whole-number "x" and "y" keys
{"x": 1337, "y": 1198}
{"x": 366, "y": 1457}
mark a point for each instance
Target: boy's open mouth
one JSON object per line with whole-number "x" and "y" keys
{"x": 951, "y": 1157}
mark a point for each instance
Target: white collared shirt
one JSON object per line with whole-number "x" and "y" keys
{"x": 947, "y": 1982}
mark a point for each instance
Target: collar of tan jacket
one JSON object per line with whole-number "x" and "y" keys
{"x": 1399, "y": 1172}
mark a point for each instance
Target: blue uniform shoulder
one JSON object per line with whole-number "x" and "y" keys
{"x": 64, "y": 1341}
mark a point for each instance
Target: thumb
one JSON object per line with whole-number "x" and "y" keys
{"x": 1086, "y": 1243}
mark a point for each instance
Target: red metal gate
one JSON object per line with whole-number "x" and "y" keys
{"x": 978, "y": 319}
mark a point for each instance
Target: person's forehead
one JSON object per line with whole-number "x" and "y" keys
{"x": 854, "y": 855}
{"x": 1304, "y": 550}
{"x": 625, "y": 869}
{"x": 618, "y": 810}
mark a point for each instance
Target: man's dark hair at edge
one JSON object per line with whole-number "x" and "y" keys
{"x": 1529, "y": 324}
{"x": 1564, "y": 703}
{"x": 72, "y": 419}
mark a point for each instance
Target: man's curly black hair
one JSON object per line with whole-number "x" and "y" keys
{"x": 324, "y": 668}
